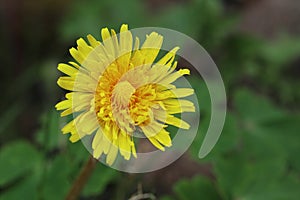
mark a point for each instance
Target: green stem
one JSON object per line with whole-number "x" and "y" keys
{"x": 82, "y": 179}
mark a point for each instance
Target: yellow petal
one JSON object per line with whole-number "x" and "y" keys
{"x": 74, "y": 64}
{"x": 178, "y": 106}
{"x": 93, "y": 42}
{"x": 66, "y": 82}
{"x": 97, "y": 138}
{"x": 156, "y": 143}
{"x": 74, "y": 138}
{"x": 112, "y": 154}
{"x": 105, "y": 33}
{"x": 97, "y": 144}
{"x": 164, "y": 138}
{"x": 174, "y": 93}
{"x": 69, "y": 127}
{"x": 169, "y": 57}
{"x": 83, "y": 48}
{"x": 67, "y": 69}
{"x": 114, "y": 39}
{"x": 133, "y": 149}
{"x": 88, "y": 123}
{"x": 177, "y": 122}
{"x": 69, "y": 95}
{"x": 174, "y": 76}
{"x": 152, "y": 139}
{"x": 77, "y": 55}
{"x": 107, "y": 141}
{"x": 124, "y": 145}
{"x": 136, "y": 44}
{"x": 108, "y": 42}
{"x": 82, "y": 101}
{"x": 125, "y": 46}
{"x": 66, "y": 112}
{"x": 151, "y": 47}
{"x": 65, "y": 104}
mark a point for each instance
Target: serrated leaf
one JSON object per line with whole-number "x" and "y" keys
{"x": 256, "y": 162}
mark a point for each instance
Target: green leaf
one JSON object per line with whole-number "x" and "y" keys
{"x": 238, "y": 176}
{"x": 286, "y": 188}
{"x": 77, "y": 153}
{"x": 56, "y": 181}
{"x": 253, "y": 108}
{"x": 255, "y": 163}
{"x": 17, "y": 159}
{"x": 195, "y": 146}
{"x": 197, "y": 188}
{"x": 49, "y": 135}
{"x": 259, "y": 165}
{"x": 202, "y": 94}
{"x": 101, "y": 177}
{"x": 229, "y": 138}
{"x": 98, "y": 15}
{"x": 7, "y": 117}
{"x": 275, "y": 55}
{"x": 166, "y": 198}
{"x": 284, "y": 132}
{"x": 27, "y": 188}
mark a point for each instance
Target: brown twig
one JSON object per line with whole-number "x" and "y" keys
{"x": 81, "y": 180}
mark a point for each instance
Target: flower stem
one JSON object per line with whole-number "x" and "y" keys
{"x": 82, "y": 179}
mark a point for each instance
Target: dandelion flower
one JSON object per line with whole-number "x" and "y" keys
{"x": 117, "y": 88}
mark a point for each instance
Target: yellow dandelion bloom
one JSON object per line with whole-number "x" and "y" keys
{"x": 117, "y": 88}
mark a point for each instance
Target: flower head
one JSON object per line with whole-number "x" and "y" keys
{"x": 117, "y": 88}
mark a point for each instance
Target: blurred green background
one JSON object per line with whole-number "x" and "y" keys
{"x": 255, "y": 44}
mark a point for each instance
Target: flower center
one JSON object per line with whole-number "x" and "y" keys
{"x": 120, "y": 100}
{"x": 121, "y": 94}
